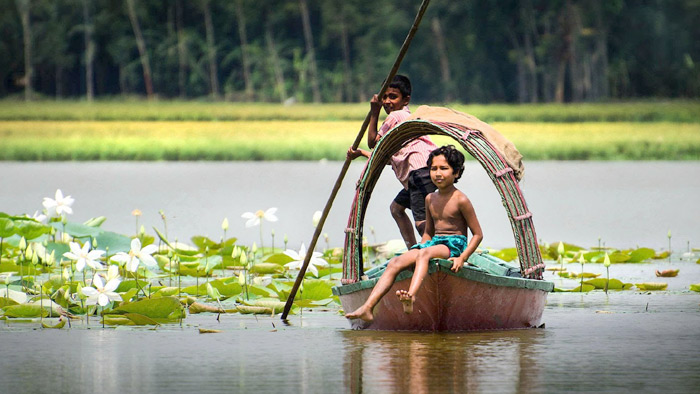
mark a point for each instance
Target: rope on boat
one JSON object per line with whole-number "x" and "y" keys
{"x": 474, "y": 142}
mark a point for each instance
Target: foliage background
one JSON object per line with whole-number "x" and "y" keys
{"x": 243, "y": 50}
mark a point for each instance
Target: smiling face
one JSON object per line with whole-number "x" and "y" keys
{"x": 441, "y": 173}
{"x": 393, "y": 100}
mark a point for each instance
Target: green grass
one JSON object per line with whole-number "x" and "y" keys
{"x": 638, "y": 111}
{"x": 314, "y": 140}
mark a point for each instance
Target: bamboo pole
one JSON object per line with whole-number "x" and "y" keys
{"x": 346, "y": 165}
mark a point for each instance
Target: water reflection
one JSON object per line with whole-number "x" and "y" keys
{"x": 449, "y": 362}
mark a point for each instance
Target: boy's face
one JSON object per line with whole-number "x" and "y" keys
{"x": 393, "y": 100}
{"x": 441, "y": 173}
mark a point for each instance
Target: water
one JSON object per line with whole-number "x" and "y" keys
{"x": 620, "y": 342}
{"x": 625, "y": 341}
{"x": 625, "y": 204}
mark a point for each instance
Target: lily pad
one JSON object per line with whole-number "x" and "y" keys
{"x": 25, "y": 310}
{"x": 316, "y": 290}
{"x": 614, "y": 284}
{"x": 667, "y": 273}
{"x": 77, "y": 230}
{"x": 30, "y": 229}
{"x": 279, "y": 259}
{"x": 163, "y": 308}
{"x": 141, "y": 320}
{"x": 266, "y": 268}
{"x": 275, "y": 305}
{"x": 60, "y": 324}
{"x": 695, "y": 287}
{"x": 641, "y": 254}
{"x": 7, "y": 227}
{"x": 256, "y": 310}
{"x": 114, "y": 242}
{"x": 652, "y": 286}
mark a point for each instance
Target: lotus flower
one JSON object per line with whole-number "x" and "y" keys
{"x": 254, "y": 218}
{"x": 84, "y": 256}
{"x": 101, "y": 294}
{"x": 59, "y": 205}
{"x": 136, "y": 255}
{"x": 299, "y": 257}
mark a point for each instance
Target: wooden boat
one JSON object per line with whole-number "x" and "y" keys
{"x": 486, "y": 294}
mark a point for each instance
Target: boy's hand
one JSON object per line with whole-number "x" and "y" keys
{"x": 457, "y": 263}
{"x": 355, "y": 153}
{"x": 375, "y": 104}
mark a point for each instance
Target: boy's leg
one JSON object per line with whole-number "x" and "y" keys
{"x": 398, "y": 207}
{"x": 419, "y": 186}
{"x": 419, "y": 273}
{"x": 396, "y": 265}
{"x": 398, "y": 212}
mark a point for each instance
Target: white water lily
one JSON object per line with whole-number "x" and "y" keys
{"x": 59, "y": 205}
{"x": 136, "y": 255}
{"x": 39, "y": 217}
{"x": 254, "y": 218}
{"x": 299, "y": 257}
{"x": 101, "y": 293}
{"x": 84, "y": 256}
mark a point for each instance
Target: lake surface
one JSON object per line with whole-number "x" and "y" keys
{"x": 625, "y": 204}
{"x": 621, "y": 342}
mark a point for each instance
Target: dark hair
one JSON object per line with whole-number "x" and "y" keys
{"x": 402, "y": 83}
{"x": 454, "y": 158}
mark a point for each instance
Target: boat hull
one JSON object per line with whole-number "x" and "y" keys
{"x": 469, "y": 300}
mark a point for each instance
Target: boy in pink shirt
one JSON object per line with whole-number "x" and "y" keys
{"x": 409, "y": 163}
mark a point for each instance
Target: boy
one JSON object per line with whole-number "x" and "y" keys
{"x": 449, "y": 214}
{"x": 408, "y": 163}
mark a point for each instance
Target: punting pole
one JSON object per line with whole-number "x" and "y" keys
{"x": 344, "y": 170}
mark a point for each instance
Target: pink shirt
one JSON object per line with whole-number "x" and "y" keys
{"x": 413, "y": 155}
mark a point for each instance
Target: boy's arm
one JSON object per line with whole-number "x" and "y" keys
{"x": 467, "y": 210}
{"x": 372, "y": 133}
{"x": 429, "y": 230}
{"x": 355, "y": 153}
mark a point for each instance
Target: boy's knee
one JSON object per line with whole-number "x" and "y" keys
{"x": 397, "y": 209}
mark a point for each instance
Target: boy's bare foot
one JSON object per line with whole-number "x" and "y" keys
{"x": 406, "y": 299}
{"x": 363, "y": 313}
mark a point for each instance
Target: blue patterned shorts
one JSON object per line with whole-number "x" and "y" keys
{"x": 456, "y": 243}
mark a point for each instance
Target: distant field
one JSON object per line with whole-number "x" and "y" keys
{"x": 314, "y": 140}
{"x": 642, "y": 111}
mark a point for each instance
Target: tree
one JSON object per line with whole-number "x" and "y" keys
{"x": 141, "y": 44}
{"x": 23, "y": 6}
{"x": 89, "y": 51}
{"x": 211, "y": 50}
{"x": 310, "y": 51}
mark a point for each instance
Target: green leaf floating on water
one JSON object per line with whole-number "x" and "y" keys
{"x": 614, "y": 284}
{"x": 577, "y": 289}
{"x": 316, "y": 290}
{"x": 115, "y": 242}
{"x": 25, "y": 310}
{"x": 227, "y": 287}
{"x": 155, "y": 308}
{"x": 60, "y": 324}
{"x": 141, "y": 320}
{"x": 266, "y": 268}
{"x": 275, "y": 305}
{"x": 652, "y": 286}
{"x": 279, "y": 259}
{"x": 641, "y": 254}
{"x": 695, "y": 287}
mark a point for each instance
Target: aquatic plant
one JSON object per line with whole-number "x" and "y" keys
{"x": 59, "y": 205}
{"x": 256, "y": 219}
{"x": 298, "y": 260}
{"x": 84, "y": 256}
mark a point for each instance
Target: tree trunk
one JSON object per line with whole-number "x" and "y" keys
{"x": 528, "y": 15}
{"x": 310, "y": 52}
{"x": 444, "y": 60}
{"x": 59, "y": 81}
{"x": 141, "y": 44}
{"x": 89, "y": 52}
{"x": 211, "y": 50}
{"x": 181, "y": 52}
{"x": 274, "y": 59}
{"x": 23, "y": 7}
{"x": 576, "y": 76}
{"x": 345, "y": 44}
{"x": 249, "y": 90}
{"x": 520, "y": 68}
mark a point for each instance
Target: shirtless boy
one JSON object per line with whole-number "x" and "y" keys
{"x": 449, "y": 214}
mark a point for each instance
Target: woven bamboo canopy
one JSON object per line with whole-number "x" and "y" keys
{"x": 474, "y": 142}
